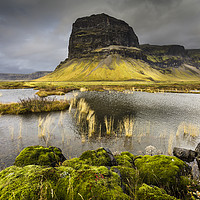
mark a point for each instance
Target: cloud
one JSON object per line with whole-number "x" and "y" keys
{"x": 34, "y": 34}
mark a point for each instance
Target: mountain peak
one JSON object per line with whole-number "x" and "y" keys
{"x": 98, "y": 31}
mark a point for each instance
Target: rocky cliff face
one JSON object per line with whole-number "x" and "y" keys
{"x": 97, "y": 31}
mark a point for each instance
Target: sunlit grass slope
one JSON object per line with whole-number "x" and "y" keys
{"x": 117, "y": 68}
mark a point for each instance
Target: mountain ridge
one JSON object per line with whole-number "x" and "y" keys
{"x": 98, "y": 51}
{"x": 31, "y": 76}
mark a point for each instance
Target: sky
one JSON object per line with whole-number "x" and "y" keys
{"x": 34, "y": 34}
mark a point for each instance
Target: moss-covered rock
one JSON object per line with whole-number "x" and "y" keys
{"x": 152, "y": 193}
{"x": 125, "y": 159}
{"x": 39, "y": 182}
{"x": 99, "y": 157}
{"x": 94, "y": 183}
{"x": 93, "y": 176}
{"x": 39, "y": 155}
{"x": 29, "y": 182}
{"x": 165, "y": 172}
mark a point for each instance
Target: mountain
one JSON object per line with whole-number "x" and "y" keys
{"x": 35, "y": 75}
{"x": 104, "y": 48}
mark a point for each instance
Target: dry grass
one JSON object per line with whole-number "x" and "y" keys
{"x": 20, "y": 130}
{"x": 33, "y": 105}
{"x": 109, "y": 124}
{"x": 45, "y": 128}
{"x": 91, "y": 123}
{"x": 12, "y": 133}
{"x": 187, "y": 130}
{"x": 170, "y": 144}
{"x": 128, "y": 126}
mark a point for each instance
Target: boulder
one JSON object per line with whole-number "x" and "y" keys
{"x": 39, "y": 155}
{"x": 184, "y": 154}
{"x": 99, "y": 157}
{"x": 165, "y": 172}
{"x": 97, "y": 31}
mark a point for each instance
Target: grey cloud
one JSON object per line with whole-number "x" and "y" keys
{"x": 34, "y": 34}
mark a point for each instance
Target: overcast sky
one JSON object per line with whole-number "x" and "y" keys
{"x": 34, "y": 34}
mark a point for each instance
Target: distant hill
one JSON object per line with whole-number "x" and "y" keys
{"x": 35, "y": 75}
{"x": 104, "y": 48}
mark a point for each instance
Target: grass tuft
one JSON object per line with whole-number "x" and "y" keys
{"x": 33, "y": 105}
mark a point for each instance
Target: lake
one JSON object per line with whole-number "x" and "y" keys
{"x": 129, "y": 121}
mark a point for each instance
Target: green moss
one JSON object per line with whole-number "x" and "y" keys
{"x": 98, "y": 157}
{"x": 39, "y": 182}
{"x": 30, "y": 182}
{"x": 96, "y": 183}
{"x": 76, "y": 163}
{"x": 39, "y": 155}
{"x": 91, "y": 177}
{"x": 125, "y": 159}
{"x": 130, "y": 179}
{"x": 163, "y": 171}
{"x": 152, "y": 193}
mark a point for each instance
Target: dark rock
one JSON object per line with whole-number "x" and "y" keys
{"x": 112, "y": 158}
{"x": 197, "y": 149}
{"x": 198, "y": 161}
{"x": 39, "y": 155}
{"x": 184, "y": 154}
{"x": 176, "y": 50}
{"x": 97, "y": 31}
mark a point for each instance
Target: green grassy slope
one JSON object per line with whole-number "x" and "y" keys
{"x": 117, "y": 68}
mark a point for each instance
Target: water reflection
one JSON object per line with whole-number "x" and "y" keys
{"x": 122, "y": 122}
{"x": 140, "y": 119}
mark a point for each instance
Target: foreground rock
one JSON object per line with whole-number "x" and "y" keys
{"x": 187, "y": 154}
{"x": 98, "y": 175}
{"x": 184, "y": 154}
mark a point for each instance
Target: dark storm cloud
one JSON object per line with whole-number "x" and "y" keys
{"x": 34, "y": 33}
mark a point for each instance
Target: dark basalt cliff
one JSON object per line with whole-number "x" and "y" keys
{"x": 97, "y": 31}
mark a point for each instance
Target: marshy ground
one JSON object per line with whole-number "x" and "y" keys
{"x": 59, "y": 88}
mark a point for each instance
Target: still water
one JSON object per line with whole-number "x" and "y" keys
{"x": 119, "y": 121}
